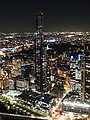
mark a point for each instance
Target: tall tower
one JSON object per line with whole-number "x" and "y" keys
{"x": 40, "y": 55}
{"x": 83, "y": 79}
{"x": 87, "y": 72}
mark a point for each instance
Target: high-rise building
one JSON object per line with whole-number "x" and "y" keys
{"x": 87, "y": 72}
{"x": 40, "y": 56}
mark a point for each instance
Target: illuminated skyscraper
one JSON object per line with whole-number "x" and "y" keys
{"x": 40, "y": 55}
{"x": 87, "y": 72}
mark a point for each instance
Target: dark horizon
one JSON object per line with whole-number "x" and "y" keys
{"x": 59, "y": 15}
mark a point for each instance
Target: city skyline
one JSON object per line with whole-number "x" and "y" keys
{"x": 19, "y": 16}
{"x": 53, "y": 82}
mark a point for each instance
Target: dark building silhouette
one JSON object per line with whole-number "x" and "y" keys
{"x": 40, "y": 55}
{"x": 25, "y": 70}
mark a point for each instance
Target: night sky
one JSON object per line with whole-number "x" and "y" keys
{"x": 59, "y": 15}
